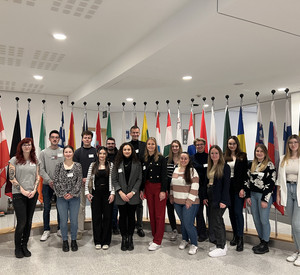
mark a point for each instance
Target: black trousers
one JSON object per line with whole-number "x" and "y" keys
{"x": 139, "y": 215}
{"x": 171, "y": 214}
{"x": 127, "y": 219}
{"x": 101, "y": 216}
{"x": 24, "y": 209}
{"x": 200, "y": 222}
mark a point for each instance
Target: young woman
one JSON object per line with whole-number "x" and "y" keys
{"x": 184, "y": 195}
{"x": 217, "y": 198}
{"x": 155, "y": 186}
{"x": 238, "y": 163}
{"x": 259, "y": 188}
{"x": 288, "y": 191}
{"x": 101, "y": 194}
{"x": 24, "y": 176}
{"x": 67, "y": 185}
{"x": 172, "y": 163}
{"x": 127, "y": 179}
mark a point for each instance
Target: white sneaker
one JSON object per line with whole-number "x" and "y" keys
{"x": 297, "y": 262}
{"x": 58, "y": 233}
{"x": 150, "y": 242}
{"x": 174, "y": 235}
{"x": 45, "y": 235}
{"x": 105, "y": 247}
{"x": 218, "y": 252}
{"x": 293, "y": 257}
{"x": 183, "y": 245}
{"x": 193, "y": 249}
{"x": 215, "y": 247}
{"x": 153, "y": 247}
{"x": 98, "y": 246}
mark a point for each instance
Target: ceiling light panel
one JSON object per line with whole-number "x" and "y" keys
{"x": 30, "y": 3}
{"x": 10, "y": 55}
{"x": 32, "y": 88}
{"x": 46, "y": 60}
{"x": 6, "y": 85}
{"x": 84, "y": 9}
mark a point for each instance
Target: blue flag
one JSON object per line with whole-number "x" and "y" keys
{"x": 62, "y": 131}
{"x": 287, "y": 128}
{"x": 28, "y": 126}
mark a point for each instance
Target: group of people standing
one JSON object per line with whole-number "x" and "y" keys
{"x": 111, "y": 178}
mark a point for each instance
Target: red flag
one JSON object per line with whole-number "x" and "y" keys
{"x": 203, "y": 130}
{"x": 71, "y": 139}
{"x": 4, "y": 154}
{"x": 98, "y": 131}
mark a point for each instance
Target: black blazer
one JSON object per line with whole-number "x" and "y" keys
{"x": 141, "y": 150}
{"x": 134, "y": 183}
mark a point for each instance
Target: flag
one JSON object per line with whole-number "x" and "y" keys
{"x": 158, "y": 134}
{"x": 62, "y": 130}
{"x": 145, "y": 134}
{"x": 123, "y": 127}
{"x": 213, "y": 133}
{"x": 191, "y": 136}
{"x": 98, "y": 131}
{"x": 4, "y": 154}
{"x": 108, "y": 127}
{"x": 260, "y": 129}
{"x": 241, "y": 133}
{"x": 168, "y": 137}
{"x": 287, "y": 128}
{"x": 203, "y": 130}
{"x": 42, "y": 145}
{"x": 13, "y": 149}
{"x": 71, "y": 137}
{"x": 28, "y": 126}
{"x": 178, "y": 127}
{"x": 85, "y": 126}
{"x": 227, "y": 129}
{"x": 273, "y": 151}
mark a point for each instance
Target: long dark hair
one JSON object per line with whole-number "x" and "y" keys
{"x": 227, "y": 154}
{"x": 19, "y": 154}
{"x": 188, "y": 168}
{"x": 119, "y": 156}
{"x": 95, "y": 169}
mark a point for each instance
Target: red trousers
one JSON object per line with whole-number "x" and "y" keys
{"x": 157, "y": 210}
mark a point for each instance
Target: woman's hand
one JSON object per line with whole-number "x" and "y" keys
{"x": 278, "y": 199}
{"x": 222, "y": 205}
{"x": 68, "y": 196}
{"x": 162, "y": 196}
{"x": 32, "y": 194}
{"x": 205, "y": 202}
{"x": 187, "y": 205}
{"x": 242, "y": 193}
{"x": 123, "y": 196}
{"x": 129, "y": 195}
{"x": 111, "y": 199}
{"x": 24, "y": 192}
{"x": 89, "y": 197}
{"x": 142, "y": 195}
{"x": 248, "y": 200}
{"x": 264, "y": 204}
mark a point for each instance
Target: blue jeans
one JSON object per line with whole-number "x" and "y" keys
{"x": 261, "y": 216}
{"x": 47, "y": 192}
{"x": 187, "y": 218}
{"x": 64, "y": 207}
{"x": 293, "y": 212}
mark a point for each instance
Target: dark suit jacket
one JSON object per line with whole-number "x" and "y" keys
{"x": 134, "y": 183}
{"x": 141, "y": 152}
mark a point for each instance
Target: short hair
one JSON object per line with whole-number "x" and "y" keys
{"x": 199, "y": 139}
{"x": 68, "y": 146}
{"x": 87, "y": 133}
{"x": 110, "y": 138}
{"x": 134, "y": 127}
{"x": 54, "y": 132}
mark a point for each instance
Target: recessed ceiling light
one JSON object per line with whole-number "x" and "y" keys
{"x": 38, "y": 77}
{"x": 187, "y": 77}
{"x": 129, "y": 99}
{"x": 59, "y": 36}
{"x": 281, "y": 89}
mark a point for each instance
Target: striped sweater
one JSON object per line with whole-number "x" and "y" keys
{"x": 181, "y": 192}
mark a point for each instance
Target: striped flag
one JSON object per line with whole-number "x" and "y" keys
{"x": 178, "y": 126}
{"x": 145, "y": 133}
{"x": 213, "y": 133}
{"x": 98, "y": 131}
{"x": 191, "y": 136}
{"x": 287, "y": 128}
{"x": 203, "y": 130}
{"x": 241, "y": 133}
{"x": 62, "y": 130}
{"x": 71, "y": 138}
{"x": 168, "y": 137}
{"x": 42, "y": 145}
{"x": 260, "y": 129}
{"x": 227, "y": 128}
{"x": 158, "y": 134}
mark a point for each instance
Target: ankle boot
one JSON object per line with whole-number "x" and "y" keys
{"x": 25, "y": 250}
{"x": 65, "y": 246}
{"x": 233, "y": 241}
{"x": 257, "y": 246}
{"x": 74, "y": 246}
{"x": 124, "y": 243}
{"x": 19, "y": 252}
{"x": 240, "y": 244}
{"x": 130, "y": 243}
{"x": 263, "y": 248}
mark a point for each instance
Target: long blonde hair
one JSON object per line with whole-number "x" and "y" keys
{"x": 265, "y": 162}
{"x": 219, "y": 168}
{"x": 288, "y": 151}
{"x": 156, "y": 153}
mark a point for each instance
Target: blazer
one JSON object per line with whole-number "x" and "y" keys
{"x": 281, "y": 181}
{"x": 134, "y": 183}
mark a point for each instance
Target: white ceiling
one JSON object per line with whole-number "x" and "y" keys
{"x": 139, "y": 48}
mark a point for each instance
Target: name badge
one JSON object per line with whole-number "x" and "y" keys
{"x": 59, "y": 155}
{"x": 53, "y": 157}
{"x": 137, "y": 151}
{"x": 144, "y": 167}
{"x": 91, "y": 156}
{"x": 70, "y": 175}
{"x": 205, "y": 165}
{"x": 120, "y": 170}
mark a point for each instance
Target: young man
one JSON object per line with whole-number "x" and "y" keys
{"x": 85, "y": 155}
{"x": 112, "y": 152}
{"x": 139, "y": 147}
{"x": 49, "y": 157}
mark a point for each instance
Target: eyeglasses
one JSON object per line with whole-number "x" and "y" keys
{"x": 110, "y": 143}
{"x": 293, "y": 142}
{"x": 54, "y": 137}
{"x": 199, "y": 144}
{"x": 26, "y": 145}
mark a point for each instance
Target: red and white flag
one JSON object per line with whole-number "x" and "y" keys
{"x": 158, "y": 134}
{"x": 168, "y": 137}
{"x": 191, "y": 136}
{"x": 203, "y": 130}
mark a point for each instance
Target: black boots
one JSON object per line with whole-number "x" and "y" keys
{"x": 74, "y": 246}
{"x": 262, "y": 248}
{"x": 19, "y": 252}
{"x": 25, "y": 250}
{"x": 239, "y": 243}
{"x": 65, "y": 246}
{"x": 130, "y": 243}
{"x": 124, "y": 243}
{"x": 233, "y": 241}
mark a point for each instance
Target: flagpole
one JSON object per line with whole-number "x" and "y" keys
{"x": 123, "y": 124}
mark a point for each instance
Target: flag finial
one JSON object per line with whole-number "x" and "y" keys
{"x": 72, "y": 103}
{"x": 213, "y": 98}
{"x": 134, "y": 103}
{"x": 98, "y": 104}
{"x": 287, "y": 91}
{"x": 43, "y": 101}
{"x": 28, "y": 99}
{"x": 61, "y": 102}
{"x": 273, "y": 93}
{"x": 204, "y": 98}
{"x": 241, "y": 96}
{"x": 167, "y": 101}
{"x": 178, "y": 101}
{"x": 17, "y": 99}
{"x": 157, "y": 102}
{"x": 108, "y": 103}
{"x": 123, "y": 104}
